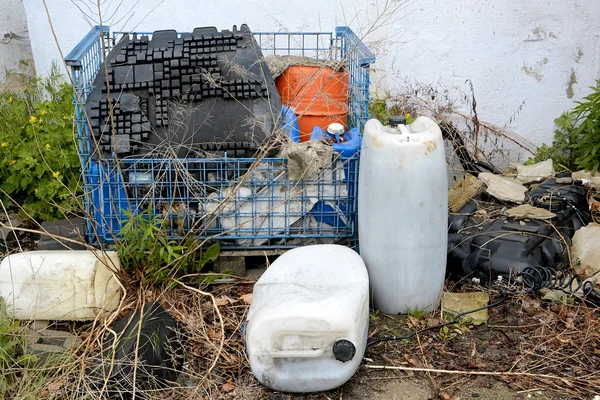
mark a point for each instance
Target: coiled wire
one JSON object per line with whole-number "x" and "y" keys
{"x": 538, "y": 278}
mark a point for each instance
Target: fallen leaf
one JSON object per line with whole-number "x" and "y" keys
{"x": 55, "y": 386}
{"x": 229, "y": 386}
{"x": 224, "y": 300}
{"x": 562, "y": 312}
{"x": 569, "y": 323}
{"x": 413, "y": 361}
{"x": 247, "y": 298}
{"x": 530, "y": 304}
{"x": 413, "y": 322}
{"x": 446, "y": 396}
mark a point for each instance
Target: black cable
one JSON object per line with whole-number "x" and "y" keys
{"x": 453, "y": 322}
{"x": 468, "y": 162}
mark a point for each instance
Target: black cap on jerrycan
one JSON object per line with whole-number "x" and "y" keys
{"x": 396, "y": 120}
{"x": 344, "y": 350}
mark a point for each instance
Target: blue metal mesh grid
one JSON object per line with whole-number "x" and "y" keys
{"x": 241, "y": 202}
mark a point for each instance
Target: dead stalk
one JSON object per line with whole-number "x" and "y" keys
{"x": 216, "y": 307}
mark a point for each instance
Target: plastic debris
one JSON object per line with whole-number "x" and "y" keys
{"x": 480, "y": 244}
{"x": 147, "y": 341}
{"x": 75, "y": 285}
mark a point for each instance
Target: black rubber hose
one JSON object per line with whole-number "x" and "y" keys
{"x": 469, "y": 164}
{"x": 438, "y": 326}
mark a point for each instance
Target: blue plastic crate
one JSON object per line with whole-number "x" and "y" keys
{"x": 267, "y": 209}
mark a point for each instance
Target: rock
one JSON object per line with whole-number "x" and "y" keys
{"x": 504, "y": 189}
{"x": 7, "y": 232}
{"x": 235, "y": 264}
{"x": 463, "y": 190}
{"x": 528, "y": 211}
{"x": 585, "y": 251}
{"x": 456, "y": 303}
{"x": 63, "y": 339}
{"x": 45, "y": 343}
{"x": 535, "y": 172}
{"x": 42, "y": 350}
{"x": 73, "y": 229}
{"x": 39, "y": 325}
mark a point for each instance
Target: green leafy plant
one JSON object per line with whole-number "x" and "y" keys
{"x": 587, "y": 117}
{"x": 39, "y": 165}
{"x": 448, "y": 332}
{"x": 561, "y": 151}
{"x": 383, "y": 106}
{"x": 418, "y": 313}
{"x": 576, "y": 142}
{"x": 11, "y": 349}
{"x": 148, "y": 255}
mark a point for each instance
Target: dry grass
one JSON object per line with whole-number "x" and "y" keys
{"x": 526, "y": 344}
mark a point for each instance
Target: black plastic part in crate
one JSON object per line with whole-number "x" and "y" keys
{"x": 184, "y": 96}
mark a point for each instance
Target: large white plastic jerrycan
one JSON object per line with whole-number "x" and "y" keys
{"x": 60, "y": 284}
{"x": 308, "y": 321}
{"x": 403, "y": 214}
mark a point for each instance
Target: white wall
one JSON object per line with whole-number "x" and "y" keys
{"x": 542, "y": 53}
{"x": 71, "y": 23}
{"x": 14, "y": 39}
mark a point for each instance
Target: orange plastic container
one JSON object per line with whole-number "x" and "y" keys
{"x": 318, "y": 94}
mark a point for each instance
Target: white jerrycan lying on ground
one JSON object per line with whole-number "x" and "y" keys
{"x": 307, "y": 326}
{"x": 60, "y": 284}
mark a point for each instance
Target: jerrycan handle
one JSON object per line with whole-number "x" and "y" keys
{"x": 298, "y": 353}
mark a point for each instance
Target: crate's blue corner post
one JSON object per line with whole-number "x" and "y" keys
{"x": 82, "y": 60}
{"x": 75, "y": 56}
{"x": 365, "y": 56}
{"x": 359, "y": 58}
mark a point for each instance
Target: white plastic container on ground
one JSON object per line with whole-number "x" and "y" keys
{"x": 308, "y": 321}
{"x": 60, "y": 285}
{"x": 403, "y": 214}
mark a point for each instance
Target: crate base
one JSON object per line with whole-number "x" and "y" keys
{"x": 234, "y": 264}
{"x": 236, "y": 261}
